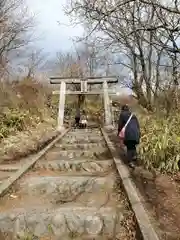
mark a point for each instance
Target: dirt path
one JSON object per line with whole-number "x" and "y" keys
{"x": 162, "y": 197}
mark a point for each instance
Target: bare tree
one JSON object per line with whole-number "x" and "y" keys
{"x": 16, "y": 27}
{"x": 35, "y": 62}
{"x": 147, "y": 34}
{"x": 83, "y": 63}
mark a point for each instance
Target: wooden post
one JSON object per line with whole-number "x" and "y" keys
{"x": 82, "y": 86}
{"x": 85, "y": 86}
{"x": 62, "y": 97}
{"x": 107, "y": 107}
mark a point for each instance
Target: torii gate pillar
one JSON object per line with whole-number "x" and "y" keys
{"x": 61, "y": 106}
{"x": 107, "y": 106}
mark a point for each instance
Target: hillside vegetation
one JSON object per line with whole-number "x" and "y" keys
{"x": 26, "y": 117}
{"x": 159, "y": 148}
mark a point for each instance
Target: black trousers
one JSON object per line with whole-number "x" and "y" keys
{"x": 77, "y": 119}
{"x": 131, "y": 150}
{"x": 83, "y": 125}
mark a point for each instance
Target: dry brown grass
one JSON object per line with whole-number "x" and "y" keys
{"x": 26, "y": 120}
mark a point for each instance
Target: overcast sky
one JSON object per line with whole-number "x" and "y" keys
{"x": 53, "y": 37}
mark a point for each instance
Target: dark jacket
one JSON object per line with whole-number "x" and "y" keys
{"x": 132, "y": 132}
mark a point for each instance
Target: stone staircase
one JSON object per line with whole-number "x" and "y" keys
{"x": 72, "y": 192}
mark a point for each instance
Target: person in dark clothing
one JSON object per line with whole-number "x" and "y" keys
{"x": 77, "y": 117}
{"x": 131, "y": 133}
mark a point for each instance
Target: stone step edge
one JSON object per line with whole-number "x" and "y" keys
{"x": 76, "y": 151}
{"x": 8, "y": 168}
{"x": 75, "y": 136}
{"x": 61, "y": 161}
{"x": 81, "y": 140}
{"x": 95, "y": 131}
{"x": 81, "y": 145}
{"x": 71, "y": 159}
{"x": 75, "y": 177}
{"x": 49, "y": 209}
{"x": 96, "y": 137}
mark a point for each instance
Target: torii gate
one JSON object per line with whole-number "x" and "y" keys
{"x": 84, "y": 90}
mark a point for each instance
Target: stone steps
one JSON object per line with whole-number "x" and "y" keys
{"x": 71, "y": 193}
{"x": 82, "y": 146}
{"x": 88, "y": 136}
{"x": 68, "y": 188}
{"x": 88, "y": 133}
{"x": 100, "y": 154}
{"x": 79, "y": 130}
{"x": 76, "y": 153}
{"x": 6, "y": 170}
{"x": 63, "y": 221}
{"x": 82, "y": 139}
{"x": 4, "y": 176}
{"x": 85, "y": 165}
{"x": 9, "y": 167}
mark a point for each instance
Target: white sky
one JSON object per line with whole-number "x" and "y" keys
{"x": 53, "y": 37}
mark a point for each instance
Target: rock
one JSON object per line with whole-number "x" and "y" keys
{"x": 40, "y": 229}
{"x": 32, "y": 222}
{"x": 96, "y": 167}
{"x": 51, "y": 188}
{"x": 93, "y": 225}
{"x": 20, "y": 235}
{"x": 58, "y": 225}
{"x": 16, "y": 229}
{"x": 12, "y": 217}
{"x": 75, "y": 223}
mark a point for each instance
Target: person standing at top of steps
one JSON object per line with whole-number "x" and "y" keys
{"x": 129, "y": 133}
{"x": 84, "y": 121}
{"x": 77, "y": 117}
